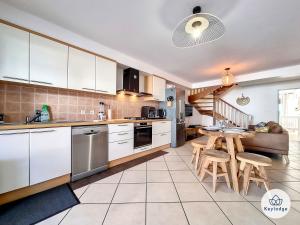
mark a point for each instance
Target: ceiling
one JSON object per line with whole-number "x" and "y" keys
{"x": 259, "y": 35}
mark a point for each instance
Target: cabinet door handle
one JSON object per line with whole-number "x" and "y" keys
{"x": 15, "y": 133}
{"x": 88, "y": 89}
{"x": 42, "y": 131}
{"x": 102, "y": 91}
{"x": 91, "y": 133}
{"x": 122, "y": 125}
{"x": 122, "y": 133}
{"x": 124, "y": 142}
{"x": 145, "y": 127}
{"x": 41, "y": 82}
{"x": 162, "y": 134}
{"x": 15, "y": 78}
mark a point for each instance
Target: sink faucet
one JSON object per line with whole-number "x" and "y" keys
{"x": 35, "y": 118}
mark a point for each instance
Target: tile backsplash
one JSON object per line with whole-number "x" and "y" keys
{"x": 18, "y": 101}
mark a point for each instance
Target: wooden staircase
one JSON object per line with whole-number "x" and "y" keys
{"x": 208, "y": 102}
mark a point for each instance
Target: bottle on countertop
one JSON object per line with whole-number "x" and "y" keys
{"x": 45, "y": 114}
{"x": 109, "y": 113}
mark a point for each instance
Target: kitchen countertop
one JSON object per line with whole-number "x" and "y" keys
{"x": 17, "y": 126}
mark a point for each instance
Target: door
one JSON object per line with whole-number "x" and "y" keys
{"x": 48, "y": 62}
{"x": 50, "y": 153}
{"x": 14, "y": 160}
{"x": 289, "y": 112}
{"x": 81, "y": 70}
{"x": 14, "y": 54}
{"x": 106, "y": 74}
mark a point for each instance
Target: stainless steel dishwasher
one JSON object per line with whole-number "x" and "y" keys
{"x": 89, "y": 150}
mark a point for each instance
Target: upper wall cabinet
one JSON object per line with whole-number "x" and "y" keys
{"x": 155, "y": 86}
{"x": 106, "y": 75}
{"x": 159, "y": 88}
{"x": 81, "y": 70}
{"x": 48, "y": 62}
{"x": 14, "y": 54}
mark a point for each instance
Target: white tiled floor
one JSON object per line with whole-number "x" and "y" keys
{"x": 166, "y": 191}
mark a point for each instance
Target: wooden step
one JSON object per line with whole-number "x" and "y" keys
{"x": 205, "y": 103}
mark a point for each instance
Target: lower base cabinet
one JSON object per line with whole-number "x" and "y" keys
{"x": 50, "y": 153}
{"x": 14, "y": 160}
{"x": 161, "y": 139}
{"x": 120, "y": 149}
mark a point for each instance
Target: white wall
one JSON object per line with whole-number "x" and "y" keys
{"x": 198, "y": 119}
{"x": 263, "y": 99}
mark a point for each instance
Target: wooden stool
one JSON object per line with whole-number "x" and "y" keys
{"x": 215, "y": 157}
{"x": 253, "y": 166}
{"x": 198, "y": 148}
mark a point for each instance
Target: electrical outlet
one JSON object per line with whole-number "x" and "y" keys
{"x": 82, "y": 112}
{"x": 92, "y": 112}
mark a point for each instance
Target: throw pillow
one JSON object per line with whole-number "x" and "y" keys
{"x": 261, "y": 124}
{"x": 262, "y": 129}
{"x": 275, "y": 128}
{"x": 270, "y": 123}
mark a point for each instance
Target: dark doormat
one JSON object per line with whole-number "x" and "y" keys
{"x": 38, "y": 207}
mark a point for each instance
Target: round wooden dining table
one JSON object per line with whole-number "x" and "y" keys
{"x": 232, "y": 139}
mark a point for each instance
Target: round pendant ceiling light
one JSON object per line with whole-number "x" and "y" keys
{"x": 228, "y": 78}
{"x": 196, "y": 29}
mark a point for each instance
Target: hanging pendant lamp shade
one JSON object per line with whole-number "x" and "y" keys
{"x": 196, "y": 29}
{"x": 228, "y": 78}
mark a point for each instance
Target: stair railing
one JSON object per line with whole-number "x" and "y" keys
{"x": 231, "y": 113}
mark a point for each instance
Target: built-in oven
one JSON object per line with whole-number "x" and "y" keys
{"x": 142, "y": 136}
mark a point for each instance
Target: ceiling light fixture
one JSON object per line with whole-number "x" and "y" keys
{"x": 228, "y": 78}
{"x": 198, "y": 28}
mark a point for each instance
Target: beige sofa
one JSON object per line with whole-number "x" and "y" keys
{"x": 277, "y": 143}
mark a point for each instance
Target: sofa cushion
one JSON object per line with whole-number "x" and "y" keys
{"x": 275, "y": 129}
{"x": 262, "y": 129}
{"x": 270, "y": 123}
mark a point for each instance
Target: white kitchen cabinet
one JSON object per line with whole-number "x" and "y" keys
{"x": 120, "y": 149}
{"x": 48, "y": 62}
{"x": 159, "y": 88}
{"x": 161, "y": 139}
{"x": 14, "y": 160}
{"x": 155, "y": 86}
{"x": 50, "y": 153}
{"x": 106, "y": 76}
{"x": 120, "y": 139}
{"x": 122, "y": 127}
{"x": 81, "y": 70}
{"x": 161, "y": 133}
{"x": 14, "y": 54}
{"x": 161, "y": 127}
{"x": 125, "y": 135}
